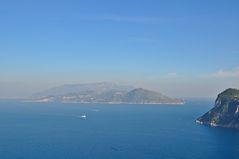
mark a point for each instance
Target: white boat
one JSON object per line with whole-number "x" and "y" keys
{"x": 83, "y": 116}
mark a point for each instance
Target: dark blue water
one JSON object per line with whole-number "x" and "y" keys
{"x": 56, "y": 131}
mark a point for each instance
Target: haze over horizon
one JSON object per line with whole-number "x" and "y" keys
{"x": 180, "y": 48}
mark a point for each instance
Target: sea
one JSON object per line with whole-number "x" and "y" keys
{"x": 98, "y": 131}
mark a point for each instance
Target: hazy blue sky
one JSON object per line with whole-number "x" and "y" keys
{"x": 186, "y": 48}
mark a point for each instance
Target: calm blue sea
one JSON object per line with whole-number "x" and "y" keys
{"x": 56, "y": 131}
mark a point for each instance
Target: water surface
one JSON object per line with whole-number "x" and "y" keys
{"x": 57, "y": 131}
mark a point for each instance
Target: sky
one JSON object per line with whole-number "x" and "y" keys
{"x": 186, "y": 48}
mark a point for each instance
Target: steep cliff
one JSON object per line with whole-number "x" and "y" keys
{"x": 225, "y": 113}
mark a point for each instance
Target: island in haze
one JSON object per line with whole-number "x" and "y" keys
{"x": 104, "y": 92}
{"x": 225, "y": 113}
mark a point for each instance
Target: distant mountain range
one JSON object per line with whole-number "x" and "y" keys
{"x": 104, "y": 92}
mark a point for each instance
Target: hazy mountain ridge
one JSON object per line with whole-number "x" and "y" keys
{"x": 103, "y": 93}
{"x": 76, "y": 88}
{"x": 225, "y": 113}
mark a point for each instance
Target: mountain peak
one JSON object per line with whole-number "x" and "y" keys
{"x": 141, "y": 95}
{"x": 229, "y": 93}
{"x": 140, "y": 90}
